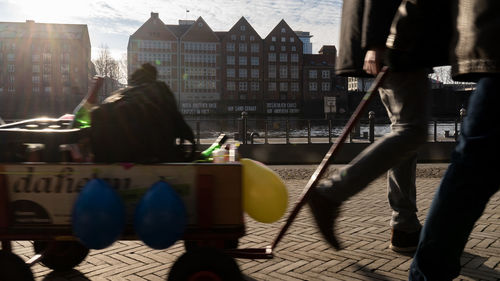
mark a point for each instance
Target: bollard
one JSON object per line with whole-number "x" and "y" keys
{"x": 435, "y": 130}
{"x": 287, "y": 132}
{"x": 243, "y": 136}
{"x": 330, "y": 131}
{"x": 198, "y": 132}
{"x": 309, "y": 131}
{"x": 266, "y": 141}
{"x": 371, "y": 119}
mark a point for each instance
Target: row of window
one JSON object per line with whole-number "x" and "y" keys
{"x": 242, "y": 73}
{"x": 242, "y": 47}
{"x": 283, "y": 70}
{"x": 242, "y": 37}
{"x": 242, "y": 60}
{"x": 199, "y": 84}
{"x": 161, "y": 57}
{"x": 48, "y": 78}
{"x": 325, "y": 86}
{"x": 36, "y": 47}
{"x": 200, "y": 58}
{"x": 294, "y": 57}
{"x": 194, "y": 46}
{"x": 154, "y": 44}
{"x": 325, "y": 74}
{"x": 283, "y": 39}
{"x": 282, "y": 48}
{"x": 205, "y": 71}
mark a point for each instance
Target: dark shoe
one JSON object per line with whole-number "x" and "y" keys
{"x": 404, "y": 242}
{"x": 324, "y": 212}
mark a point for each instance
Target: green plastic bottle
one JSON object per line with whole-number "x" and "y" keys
{"x": 81, "y": 113}
{"x": 207, "y": 153}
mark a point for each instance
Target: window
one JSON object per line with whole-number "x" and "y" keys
{"x": 254, "y": 60}
{"x": 64, "y": 68}
{"x": 325, "y": 74}
{"x": 11, "y": 68}
{"x": 294, "y": 86}
{"x": 254, "y": 86}
{"x": 272, "y": 71}
{"x": 230, "y": 72}
{"x": 242, "y": 47}
{"x": 242, "y": 37}
{"x": 283, "y": 30}
{"x": 283, "y": 86}
{"x": 46, "y": 77}
{"x": 47, "y": 89}
{"x": 273, "y": 38}
{"x": 272, "y": 57}
{"x": 35, "y": 79}
{"x": 283, "y": 57}
{"x": 243, "y": 60}
{"x": 254, "y": 48}
{"x": 243, "y": 86}
{"x": 294, "y": 57}
{"x": 47, "y": 57}
{"x": 252, "y": 38}
{"x": 294, "y": 49}
{"x": 271, "y": 86}
{"x": 242, "y": 73}
{"x": 233, "y": 37}
{"x": 313, "y": 86}
{"x": 242, "y": 28}
{"x": 271, "y": 48}
{"x": 230, "y": 47}
{"x": 325, "y": 86}
{"x": 283, "y": 71}
{"x": 292, "y": 39}
{"x": 230, "y": 60}
{"x": 243, "y": 96}
{"x": 36, "y": 89}
{"x": 11, "y": 57}
{"x": 294, "y": 72}
{"x": 231, "y": 86}
{"x": 255, "y": 73}
{"x": 313, "y": 74}
{"x": 283, "y": 48}
{"x": 283, "y": 39}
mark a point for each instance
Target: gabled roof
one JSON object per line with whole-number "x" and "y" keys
{"x": 277, "y": 29}
{"x": 178, "y": 30}
{"x": 154, "y": 25}
{"x": 243, "y": 21}
{"x": 200, "y": 25}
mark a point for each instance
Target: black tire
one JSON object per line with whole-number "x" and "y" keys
{"x": 13, "y": 268}
{"x": 61, "y": 255}
{"x": 205, "y": 264}
{"x": 190, "y": 245}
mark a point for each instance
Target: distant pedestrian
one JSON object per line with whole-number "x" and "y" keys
{"x": 364, "y": 30}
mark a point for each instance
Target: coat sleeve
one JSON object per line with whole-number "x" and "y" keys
{"x": 377, "y": 19}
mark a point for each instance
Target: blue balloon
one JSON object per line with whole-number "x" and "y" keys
{"x": 160, "y": 216}
{"x": 98, "y": 215}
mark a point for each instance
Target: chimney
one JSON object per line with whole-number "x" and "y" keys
{"x": 154, "y": 15}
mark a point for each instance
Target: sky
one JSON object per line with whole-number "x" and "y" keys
{"x": 111, "y": 22}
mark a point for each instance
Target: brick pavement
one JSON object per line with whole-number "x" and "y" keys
{"x": 302, "y": 255}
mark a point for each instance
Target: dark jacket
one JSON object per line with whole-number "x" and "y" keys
{"x": 365, "y": 24}
{"x": 461, "y": 33}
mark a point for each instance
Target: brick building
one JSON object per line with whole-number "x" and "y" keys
{"x": 283, "y": 70}
{"x": 44, "y": 68}
{"x": 323, "y": 92}
{"x": 228, "y": 72}
{"x": 242, "y": 68}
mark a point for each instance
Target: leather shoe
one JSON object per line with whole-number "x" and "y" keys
{"x": 325, "y": 212}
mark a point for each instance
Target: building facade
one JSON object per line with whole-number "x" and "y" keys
{"x": 44, "y": 68}
{"x": 283, "y": 70}
{"x": 305, "y": 37}
{"x": 228, "y": 72}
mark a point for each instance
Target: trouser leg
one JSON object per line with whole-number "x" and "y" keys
{"x": 469, "y": 183}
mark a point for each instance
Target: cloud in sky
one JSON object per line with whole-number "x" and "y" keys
{"x": 111, "y": 22}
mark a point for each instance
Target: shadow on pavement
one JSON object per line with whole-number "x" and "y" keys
{"x": 66, "y": 275}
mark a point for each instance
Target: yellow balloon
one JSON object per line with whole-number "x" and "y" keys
{"x": 265, "y": 197}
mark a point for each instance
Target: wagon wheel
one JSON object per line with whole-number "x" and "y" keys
{"x": 13, "y": 268}
{"x": 205, "y": 264}
{"x": 190, "y": 245}
{"x": 61, "y": 255}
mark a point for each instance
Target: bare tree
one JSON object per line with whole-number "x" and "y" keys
{"x": 109, "y": 68}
